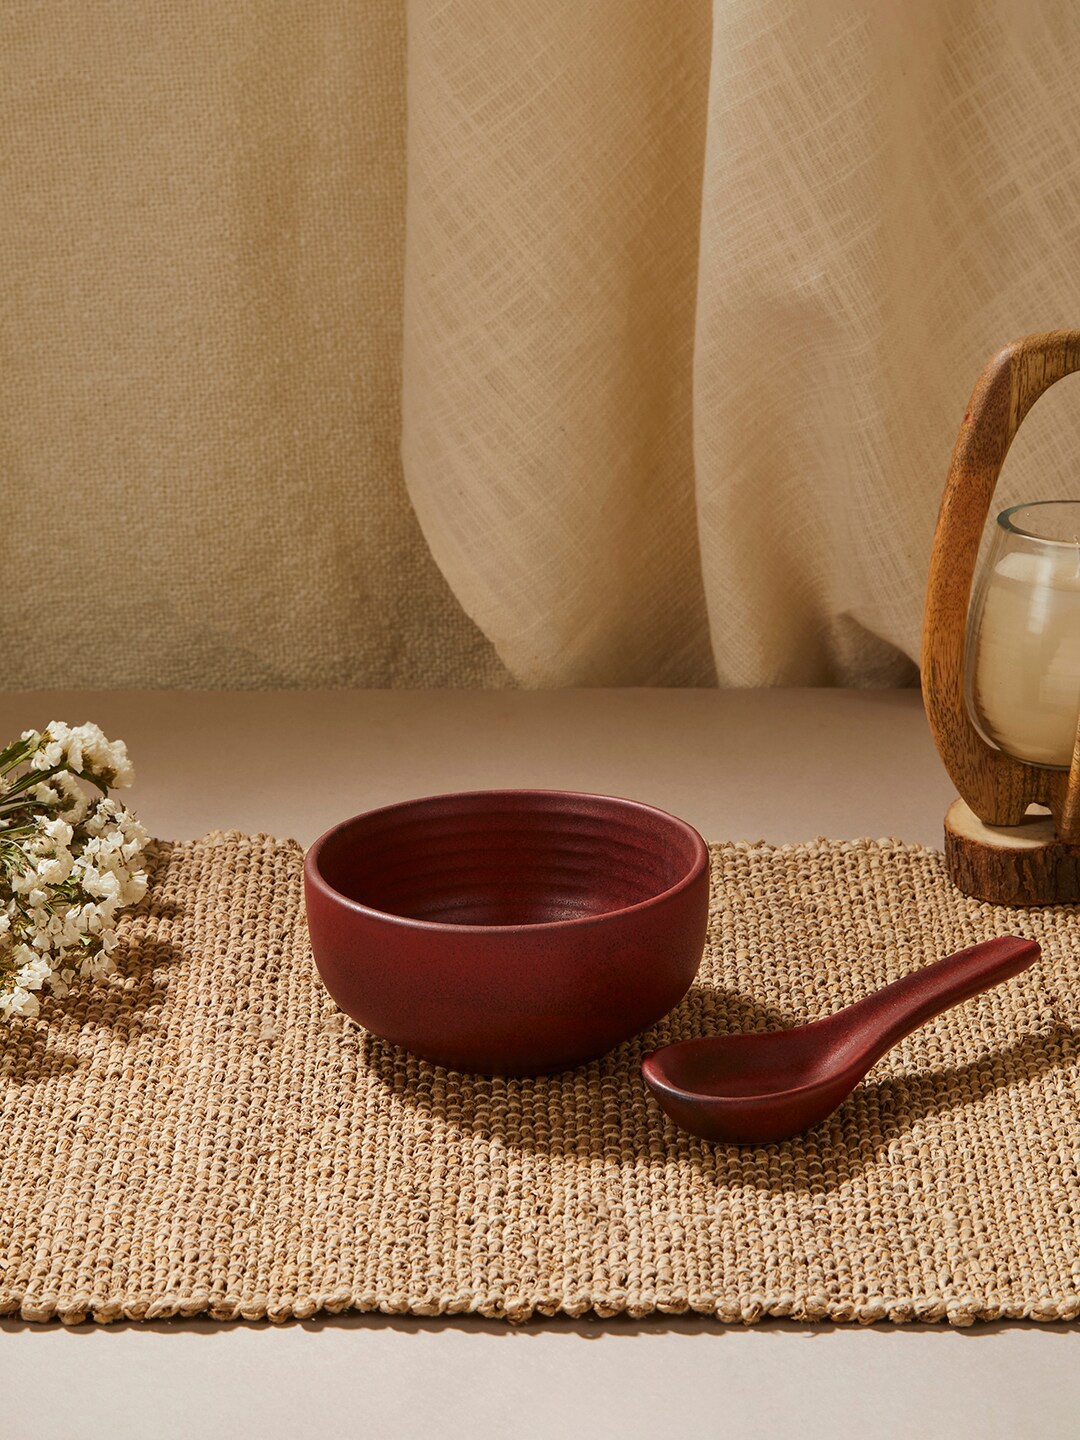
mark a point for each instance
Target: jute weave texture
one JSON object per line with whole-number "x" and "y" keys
{"x": 206, "y": 1135}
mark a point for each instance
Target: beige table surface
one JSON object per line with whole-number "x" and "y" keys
{"x": 773, "y": 765}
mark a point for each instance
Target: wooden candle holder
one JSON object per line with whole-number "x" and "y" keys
{"x": 994, "y": 848}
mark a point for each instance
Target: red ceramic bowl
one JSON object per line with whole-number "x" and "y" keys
{"x": 508, "y": 931}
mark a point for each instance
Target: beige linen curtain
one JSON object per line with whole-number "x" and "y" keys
{"x": 695, "y": 295}
{"x": 201, "y": 246}
{"x": 691, "y": 295}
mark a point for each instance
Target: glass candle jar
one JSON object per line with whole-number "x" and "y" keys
{"x": 1023, "y": 638}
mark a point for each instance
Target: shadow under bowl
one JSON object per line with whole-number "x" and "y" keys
{"x": 508, "y": 931}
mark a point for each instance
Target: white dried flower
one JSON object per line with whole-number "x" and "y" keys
{"x": 58, "y": 830}
{"x": 33, "y": 972}
{"x": 18, "y": 1002}
{"x": 67, "y": 861}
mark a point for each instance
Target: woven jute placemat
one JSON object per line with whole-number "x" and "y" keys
{"x": 206, "y": 1135}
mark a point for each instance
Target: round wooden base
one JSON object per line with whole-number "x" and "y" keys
{"x": 1020, "y": 865}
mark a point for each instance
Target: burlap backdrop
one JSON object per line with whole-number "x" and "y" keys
{"x": 631, "y": 466}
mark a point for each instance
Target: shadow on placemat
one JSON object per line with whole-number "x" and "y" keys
{"x": 897, "y": 1102}
{"x": 128, "y": 1006}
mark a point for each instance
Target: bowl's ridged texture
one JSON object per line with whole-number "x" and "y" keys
{"x": 440, "y": 924}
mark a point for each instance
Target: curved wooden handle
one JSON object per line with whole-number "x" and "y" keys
{"x": 997, "y": 787}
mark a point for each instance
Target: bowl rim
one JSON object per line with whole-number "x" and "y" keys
{"x": 314, "y": 876}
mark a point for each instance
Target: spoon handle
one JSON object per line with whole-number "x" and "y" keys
{"x": 889, "y": 1014}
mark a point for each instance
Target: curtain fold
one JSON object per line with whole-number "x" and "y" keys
{"x": 694, "y": 297}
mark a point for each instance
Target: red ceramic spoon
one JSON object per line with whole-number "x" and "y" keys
{"x": 754, "y": 1088}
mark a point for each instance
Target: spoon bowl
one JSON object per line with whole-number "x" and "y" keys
{"x": 757, "y": 1088}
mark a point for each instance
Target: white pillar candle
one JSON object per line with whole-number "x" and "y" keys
{"x": 1027, "y": 664}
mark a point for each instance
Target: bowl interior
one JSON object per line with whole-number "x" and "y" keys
{"x": 508, "y": 857}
